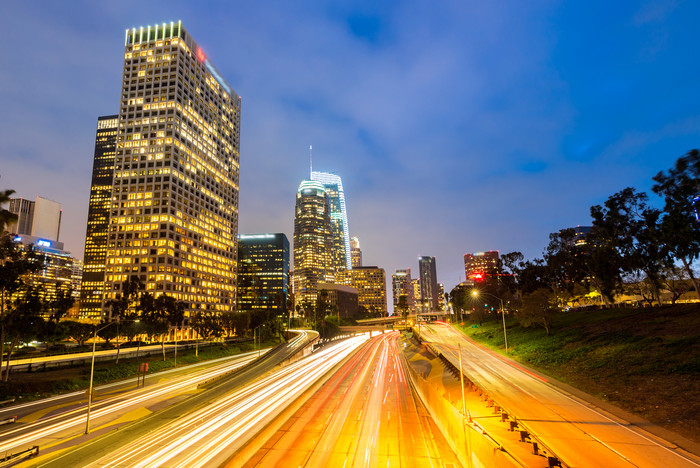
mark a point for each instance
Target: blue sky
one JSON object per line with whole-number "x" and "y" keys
{"x": 456, "y": 126}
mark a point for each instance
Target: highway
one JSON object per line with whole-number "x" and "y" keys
{"x": 64, "y": 416}
{"x": 57, "y": 424}
{"x": 209, "y": 435}
{"x": 364, "y": 415}
{"x": 576, "y": 431}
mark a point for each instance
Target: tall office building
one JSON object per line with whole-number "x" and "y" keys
{"x": 313, "y": 241}
{"x": 355, "y": 252}
{"x": 263, "y": 272}
{"x": 481, "y": 266}
{"x": 174, "y": 211}
{"x": 428, "y": 284}
{"x": 415, "y": 284}
{"x": 40, "y": 218}
{"x": 370, "y": 282}
{"x": 402, "y": 285}
{"x": 339, "y": 218}
{"x": 92, "y": 285}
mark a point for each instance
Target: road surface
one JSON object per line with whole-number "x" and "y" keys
{"x": 578, "y": 433}
{"x": 366, "y": 415}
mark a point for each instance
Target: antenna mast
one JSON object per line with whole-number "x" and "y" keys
{"x": 311, "y": 162}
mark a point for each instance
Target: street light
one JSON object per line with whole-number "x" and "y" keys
{"x": 259, "y": 343}
{"x": 476, "y": 293}
{"x": 92, "y": 371}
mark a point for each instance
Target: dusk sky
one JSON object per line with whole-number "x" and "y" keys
{"x": 455, "y": 126}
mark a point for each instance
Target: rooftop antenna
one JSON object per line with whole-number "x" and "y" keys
{"x": 311, "y": 161}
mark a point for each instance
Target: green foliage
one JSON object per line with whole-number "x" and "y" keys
{"x": 538, "y": 307}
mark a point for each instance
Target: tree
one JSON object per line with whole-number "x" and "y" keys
{"x": 57, "y": 308}
{"x": 6, "y": 217}
{"x": 628, "y": 225}
{"x": 207, "y": 325}
{"x": 121, "y": 308}
{"x": 538, "y": 307}
{"x": 509, "y": 265}
{"x": 79, "y": 331}
{"x": 675, "y": 282}
{"x": 23, "y": 320}
{"x": 172, "y": 312}
{"x": 15, "y": 264}
{"x": 681, "y": 230}
{"x": 152, "y": 317}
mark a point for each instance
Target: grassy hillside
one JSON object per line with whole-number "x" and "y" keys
{"x": 646, "y": 361}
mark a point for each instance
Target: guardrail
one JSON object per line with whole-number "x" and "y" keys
{"x": 539, "y": 448}
{"x": 11, "y": 459}
{"x": 124, "y": 353}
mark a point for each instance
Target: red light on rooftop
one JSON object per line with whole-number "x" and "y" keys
{"x": 201, "y": 56}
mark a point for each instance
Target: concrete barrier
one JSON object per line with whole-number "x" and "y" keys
{"x": 472, "y": 445}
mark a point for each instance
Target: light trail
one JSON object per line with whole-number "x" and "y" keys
{"x": 576, "y": 432}
{"x": 27, "y": 435}
{"x": 364, "y": 415}
{"x": 198, "y": 438}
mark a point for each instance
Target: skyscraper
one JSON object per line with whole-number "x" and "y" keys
{"x": 428, "y": 283}
{"x": 92, "y": 286}
{"x": 481, "y": 266}
{"x": 339, "y": 218}
{"x": 355, "y": 252}
{"x": 401, "y": 285}
{"x": 370, "y": 282}
{"x": 174, "y": 203}
{"x": 313, "y": 241}
{"x": 263, "y": 272}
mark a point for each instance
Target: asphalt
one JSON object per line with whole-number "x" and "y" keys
{"x": 104, "y": 441}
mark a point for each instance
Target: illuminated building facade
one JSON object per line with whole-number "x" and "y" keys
{"x": 370, "y": 282}
{"x": 263, "y": 272}
{"x": 76, "y": 279}
{"x": 402, "y": 285}
{"x": 56, "y": 271}
{"x": 339, "y": 218}
{"x": 355, "y": 252}
{"x": 92, "y": 286}
{"x": 174, "y": 204}
{"x": 481, "y": 266}
{"x": 428, "y": 284}
{"x": 415, "y": 284}
{"x": 313, "y": 241}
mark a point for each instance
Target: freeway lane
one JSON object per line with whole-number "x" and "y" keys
{"x": 209, "y": 435}
{"x": 578, "y": 433}
{"x": 365, "y": 415}
{"x": 65, "y": 415}
{"x": 110, "y": 440}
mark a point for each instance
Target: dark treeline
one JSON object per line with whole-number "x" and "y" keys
{"x": 632, "y": 248}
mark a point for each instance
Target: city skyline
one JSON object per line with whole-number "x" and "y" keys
{"x": 471, "y": 128}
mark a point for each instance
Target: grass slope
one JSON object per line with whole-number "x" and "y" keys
{"x": 646, "y": 361}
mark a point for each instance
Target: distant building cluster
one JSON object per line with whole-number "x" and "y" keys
{"x": 163, "y": 208}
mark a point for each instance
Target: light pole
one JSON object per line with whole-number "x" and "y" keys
{"x": 92, "y": 371}
{"x": 476, "y": 293}
{"x": 258, "y": 334}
